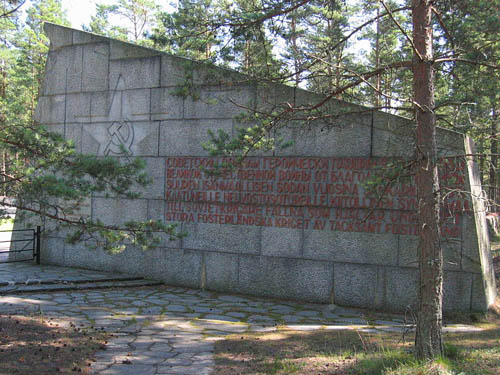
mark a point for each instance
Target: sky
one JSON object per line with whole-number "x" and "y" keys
{"x": 79, "y": 11}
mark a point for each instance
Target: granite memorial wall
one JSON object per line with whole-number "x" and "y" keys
{"x": 300, "y": 223}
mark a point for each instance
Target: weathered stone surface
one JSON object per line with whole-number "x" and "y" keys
{"x": 401, "y": 289}
{"x": 221, "y": 271}
{"x": 95, "y": 67}
{"x": 286, "y": 278}
{"x": 54, "y": 253}
{"x": 457, "y": 291}
{"x": 220, "y": 237}
{"x": 185, "y": 138}
{"x": 77, "y": 107}
{"x": 118, "y": 211}
{"x": 451, "y": 247}
{"x": 183, "y": 267}
{"x": 320, "y": 139}
{"x": 123, "y": 50}
{"x": 51, "y": 110}
{"x": 218, "y": 103}
{"x": 97, "y": 259}
{"x": 166, "y": 104}
{"x": 136, "y": 73}
{"x": 359, "y": 283}
{"x": 137, "y": 104}
{"x": 367, "y": 248}
{"x": 286, "y": 242}
{"x": 59, "y": 36}
{"x": 64, "y": 71}
{"x": 80, "y": 37}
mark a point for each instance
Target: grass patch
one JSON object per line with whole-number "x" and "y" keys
{"x": 34, "y": 345}
{"x": 354, "y": 353}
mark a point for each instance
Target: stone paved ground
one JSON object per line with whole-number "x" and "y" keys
{"x": 166, "y": 330}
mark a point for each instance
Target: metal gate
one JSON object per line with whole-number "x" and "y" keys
{"x": 23, "y": 246}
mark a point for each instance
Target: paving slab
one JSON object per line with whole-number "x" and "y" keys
{"x": 155, "y": 330}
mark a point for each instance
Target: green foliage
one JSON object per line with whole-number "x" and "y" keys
{"x": 281, "y": 367}
{"x": 136, "y": 16}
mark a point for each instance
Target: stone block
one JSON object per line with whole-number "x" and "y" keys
{"x": 52, "y": 251}
{"x": 392, "y": 136}
{"x": 452, "y": 253}
{"x": 134, "y": 261}
{"x": 63, "y": 72}
{"x": 78, "y": 107}
{"x": 81, "y": 256}
{"x": 95, "y": 67}
{"x": 401, "y": 289}
{"x": 59, "y": 36}
{"x": 156, "y": 211}
{"x": 175, "y": 71}
{"x": 449, "y": 141}
{"x": 320, "y": 139}
{"x": 480, "y": 301}
{"x": 284, "y": 242}
{"x": 137, "y": 104}
{"x": 101, "y": 139}
{"x": 471, "y": 261}
{"x": 80, "y": 37}
{"x": 286, "y": 278}
{"x": 215, "y": 103}
{"x": 124, "y": 50}
{"x": 166, "y": 104}
{"x": 182, "y": 268}
{"x": 357, "y": 285}
{"x": 225, "y": 238}
{"x": 182, "y": 72}
{"x": 155, "y": 168}
{"x": 221, "y": 271}
{"x": 457, "y": 289}
{"x": 271, "y": 96}
{"x": 51, "y": 110}
{"x": 408, "y": 251}
{"x": 352, "y": 247}
{"x": 136, "y": 73}
{"x": 100, "y": 104}
{"x": 185, "y": 138}
{"x": 118, "y": 211}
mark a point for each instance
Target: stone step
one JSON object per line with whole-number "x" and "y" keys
{"x": 78, "y": 285}
{"x": 70, "y": 280}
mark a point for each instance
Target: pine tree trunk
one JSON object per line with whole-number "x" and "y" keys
{"x": 493, "y": 162}
{"x": 428, "y": 340}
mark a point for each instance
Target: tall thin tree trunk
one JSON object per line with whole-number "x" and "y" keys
{"x": 493, "y": 161}
{"x": 378, "y": 95}
{"x": 428, "y": 340}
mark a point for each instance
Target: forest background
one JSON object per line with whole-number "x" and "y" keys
{"x": 351, "y": 50}
{"x": 431, "y": 61}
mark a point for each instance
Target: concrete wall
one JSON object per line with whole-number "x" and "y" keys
{"x": 102, "y": 93}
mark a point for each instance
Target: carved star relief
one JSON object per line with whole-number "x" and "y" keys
{"x": 116, "y": 136}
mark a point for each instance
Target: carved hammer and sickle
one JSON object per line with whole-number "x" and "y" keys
{"x": 122, "y": 137}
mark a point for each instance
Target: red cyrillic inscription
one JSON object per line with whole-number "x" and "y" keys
{"x": 307, "y": 193}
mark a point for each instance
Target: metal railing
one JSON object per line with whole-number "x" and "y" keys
{"x": 29, "y": 243}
